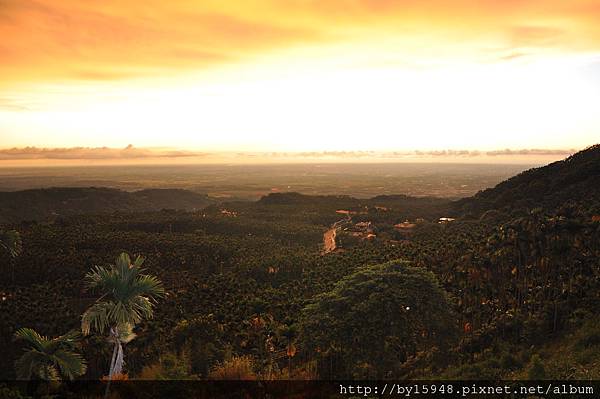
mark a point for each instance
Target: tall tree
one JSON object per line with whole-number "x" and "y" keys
{"x": 10, "y": 244}
{"x": 49, "y": 358}
{"x": 377, "y": 318}
{"x": 127, "y": 297}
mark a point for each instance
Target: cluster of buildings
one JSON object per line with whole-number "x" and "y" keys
{"x": 366, "y": 230}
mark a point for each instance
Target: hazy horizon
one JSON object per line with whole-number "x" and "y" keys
{"x": 252, "y": 181}
{"x": 130, "y": 155}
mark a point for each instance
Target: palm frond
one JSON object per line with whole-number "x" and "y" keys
{"x": 128, "y": 295}
{"x": 67, "y": 341}
{"x": 70, "y": 364}
{"x": 96, "y": 317}
{"x": 29, "y": 364}
{"x": 36, "y": 340}
{"x": 100, "y": 278}
{"x": 142, "y": 307}
{"x": 123, "y": 260}
{"x": 71, "y": 336}
{"x": 48, "y": 373}
{"x": 121, "y": 313}
{"x": 49, "y": 358}
{"x": 139, "y": 260}
{"x": 149, "y": 286}
{"x": 123, "y": 264}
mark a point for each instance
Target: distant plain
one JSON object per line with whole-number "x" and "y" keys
{"x": 250, "y": 182}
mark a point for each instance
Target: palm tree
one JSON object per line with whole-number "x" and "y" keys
{"x": 49, "y": 359}
{"x": 127, "y": 297}
{"x": 10, "y": 243}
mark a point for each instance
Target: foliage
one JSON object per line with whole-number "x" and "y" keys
{"x": 49, "y": 359}
{"x": 49, "y": 202}
{"x": 201, "y": 338}
{"x": 11, "y": 393}
{"x": 523, "y": 275}
{"x": 170, "y": 367}
{"x": 378, "y": 317}
{"x": 10, "y": 242}
{"x": 236, "y": 368}
{"x": 536, "y": 369}
{"x": 574, "y": 179}
{"x": 128, "y": 296}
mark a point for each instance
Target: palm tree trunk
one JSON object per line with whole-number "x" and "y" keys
{"x": 110, "y": 372}
{"x": 116, "y": 362}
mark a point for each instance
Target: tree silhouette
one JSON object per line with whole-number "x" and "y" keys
{"x": 378, "y": 317}
{"x": 127, "y": 297}
{"x": 11, "y": 244}
{"x": 49, "y": 359}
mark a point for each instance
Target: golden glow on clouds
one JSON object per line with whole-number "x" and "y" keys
{"x": 300, "y": 75}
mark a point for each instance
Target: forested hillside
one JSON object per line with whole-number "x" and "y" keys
{"x": 40, "y": 204}
{"x": 573, "y": 181}
{"x": 251, "y": 293}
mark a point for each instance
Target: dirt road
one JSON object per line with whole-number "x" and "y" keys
{"x": 329, "y": 240}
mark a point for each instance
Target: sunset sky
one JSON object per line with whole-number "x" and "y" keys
{"x": 300, "y": 75}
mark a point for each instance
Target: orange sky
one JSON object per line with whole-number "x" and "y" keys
{"x": 306, "y": 75}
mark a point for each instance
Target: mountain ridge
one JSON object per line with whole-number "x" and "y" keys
{"x": 574, "y": 181}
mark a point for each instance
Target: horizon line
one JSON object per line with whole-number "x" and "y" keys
{"x": 176, "y": 155}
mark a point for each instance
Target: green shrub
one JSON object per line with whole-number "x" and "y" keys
{"x": 589, "y": 336}
{"x": 11, "y": 393}
{"x": 509, "y": 362}
{"x": 536, "y": 369}
{"x": 489, "y": 369}
{"x": 587, "y": 356}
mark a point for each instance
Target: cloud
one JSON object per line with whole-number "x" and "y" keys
{"x": 390, "y": 155}
{"x": 13, "y": 104}
{"x": 449, "y": 153}
{"x": 532, "y": 152}
{"x": 513, "y": 56}
{"x": 536, "y": 36}
{"x": 73, "y": 40}
{"x": 58, "y": 40}
{"x": 106, "y": 155}
{"x": 99, "y": 153}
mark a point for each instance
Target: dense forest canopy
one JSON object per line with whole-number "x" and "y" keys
{"x": 510, "y": 275}
{"x": 42, "y": 204}
{"x": 374, "y": 319}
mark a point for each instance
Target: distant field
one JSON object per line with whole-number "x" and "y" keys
{"x": 253, "y": 181}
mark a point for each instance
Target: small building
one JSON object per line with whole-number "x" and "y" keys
{"x": 445, "y": 220}
{"x": 370, "y": 237}
{"x": 405, "y": 229}
{"x": 366, "y": 227}
{"x": 225, "y": 212}
{"x": 406, "y": 225}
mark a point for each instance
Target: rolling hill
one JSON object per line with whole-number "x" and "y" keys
{"x": 39, "y": 204}
{"x": 573, "y": 181}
